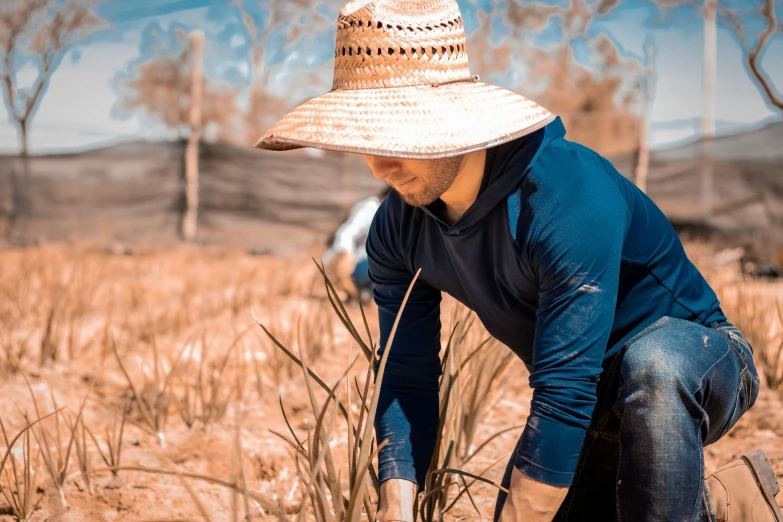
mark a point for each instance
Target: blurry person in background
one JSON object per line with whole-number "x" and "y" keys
{"x": 346, "y": 258}
{"x": 633, "y": 364}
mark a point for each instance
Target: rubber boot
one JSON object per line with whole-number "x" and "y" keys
{"x": 744, "y": 490}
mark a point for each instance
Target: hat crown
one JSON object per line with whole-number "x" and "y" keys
{"x": 397, "y": 43}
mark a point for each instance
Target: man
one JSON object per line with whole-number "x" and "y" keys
{"x": 633, "y": 365}
{"x": 346, "y": 258}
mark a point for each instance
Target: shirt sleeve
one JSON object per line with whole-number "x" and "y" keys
{"x": 407, "y": 415}
{"x": 575, "y": 249}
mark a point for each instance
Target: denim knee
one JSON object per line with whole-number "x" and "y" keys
{"x": 651, "y": 362}
{"x": 654, "y": 376}
{"x": 745, "y": 352}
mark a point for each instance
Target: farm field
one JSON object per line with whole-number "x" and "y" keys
{"x": 144, "y": 389}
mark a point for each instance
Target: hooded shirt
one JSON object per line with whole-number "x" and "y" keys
{"x": 561, "y": 258}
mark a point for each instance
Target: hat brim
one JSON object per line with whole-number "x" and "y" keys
{"x": 418, "y": 122}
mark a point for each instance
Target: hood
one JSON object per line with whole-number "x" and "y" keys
{"x": 505, "y": 167}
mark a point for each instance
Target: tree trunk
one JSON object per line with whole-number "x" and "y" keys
{"x": 708, "y": 122}
{"x": 706, "y": 178}
{"x": 643, "y": 159}
{"x": 190, "y": 218}
{"x": 9, "y": 207}
{"x": 19, "y": 175}
{"x": 23, "y": 135}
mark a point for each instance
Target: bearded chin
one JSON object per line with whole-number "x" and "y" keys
{"x": 420, "y": 199}
{"x": 441, "y": 175}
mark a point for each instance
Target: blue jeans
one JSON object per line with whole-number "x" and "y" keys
{"x": 673, "y": 389}
{"x": 361, "y": 275}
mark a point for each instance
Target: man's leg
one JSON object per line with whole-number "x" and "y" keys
{"x": 605, "y": 489}
{"x": 361, "y": 280}
{"x": 682, "y": 386}
{"x": 592, "y": 494}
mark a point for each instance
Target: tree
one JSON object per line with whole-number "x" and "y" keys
{"x": 169, "y": 86}
{"x": 763, "y": 16}
{"x": 276, "y": 30}
{"x": 599, "y": 104}
{"x": 643, "y": 156}
{"x": 293, "y": 40}
{"x": 598, "y": 99}
{"x": 34, "y": 33}
{"x": 161, "y": 85}
{"x": 37, "y": 32}
{"x": 754, "y": 51}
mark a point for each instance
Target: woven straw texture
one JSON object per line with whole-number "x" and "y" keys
{"x": 402, "y": 88}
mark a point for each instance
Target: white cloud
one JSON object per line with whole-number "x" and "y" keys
{"x": 236, "y": 40}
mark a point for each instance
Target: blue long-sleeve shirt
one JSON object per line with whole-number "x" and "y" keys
{"x": 563, "y": 260}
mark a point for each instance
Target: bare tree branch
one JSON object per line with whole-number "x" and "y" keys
{"x": 733, "y": 21}
{"x": 753, "y": 56}
{"x": 161, "y": 87}
{"x": 734, "y": 18}
{"x": 38, "y": 32}
{"x": 599, "y": 102}
{"x": 295, "y": 19}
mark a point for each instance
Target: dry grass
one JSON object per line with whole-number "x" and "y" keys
{"x": 21, "y": 489}
{"x": 20, "y": 483}
{"x": 760, "y": 319}
{"x": 164, "y": 344}
{"x": 755, "y": 307}
{"x": 111, "y": 455}
{"x": 205, "y": 383}
{"x": 314, "y": 459}
{"x": 474, "y": 366}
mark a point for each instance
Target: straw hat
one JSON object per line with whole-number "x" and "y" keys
{"x": 402, "y": 88}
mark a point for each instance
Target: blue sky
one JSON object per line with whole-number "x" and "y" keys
{"x": 78, "y": 109}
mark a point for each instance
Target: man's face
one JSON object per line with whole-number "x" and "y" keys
{"x": 418, "y": 182}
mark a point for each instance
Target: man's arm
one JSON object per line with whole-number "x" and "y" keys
{"x": 397, "y": 499}
{"x": 530, "y": 500}
{"x": 407, "y": 414}
{"x": 578, "y": 226}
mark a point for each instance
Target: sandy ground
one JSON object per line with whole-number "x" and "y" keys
{"x": 182, "y": 300}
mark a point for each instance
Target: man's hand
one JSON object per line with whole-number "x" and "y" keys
{"x": 396, "y": 503}
{"x": 530, "y": 500}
